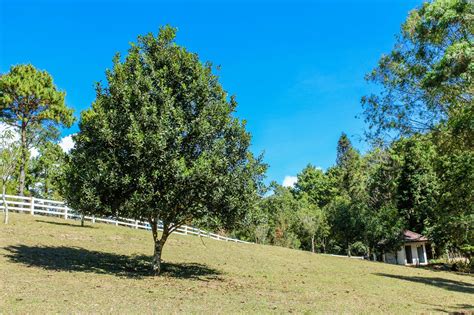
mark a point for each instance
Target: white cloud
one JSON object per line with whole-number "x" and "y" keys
{"x": 34, "y": 153}
{"x": 3, "y": 126}
{"x": 66, "y": 143}
{"x": 290, "y": 181}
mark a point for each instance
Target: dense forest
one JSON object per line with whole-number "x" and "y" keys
{"x": 362, "y": 204}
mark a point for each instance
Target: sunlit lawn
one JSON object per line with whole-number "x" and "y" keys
{"x": 55, "y": 266}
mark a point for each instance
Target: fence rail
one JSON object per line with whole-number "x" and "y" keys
{"x": 40, "y": 206}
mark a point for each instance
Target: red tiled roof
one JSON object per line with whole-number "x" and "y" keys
{"x": 410, "y": 236}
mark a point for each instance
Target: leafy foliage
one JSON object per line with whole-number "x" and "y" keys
{"x": 160, "y": 143}
{"x": 427, "y": 79}
{"x": 317, "y": 185}
{"x": 47, "y": 171}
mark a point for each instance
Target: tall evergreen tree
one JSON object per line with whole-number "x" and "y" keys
{"x": 418, "y": 187}
{"x": 347, "y": 211}
{"x": 31, "y": 103}
{"x": 344, "y": 150}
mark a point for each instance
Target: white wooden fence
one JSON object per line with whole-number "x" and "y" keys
{"x": 37, "y": 206}
{"x": 345, "y": 256}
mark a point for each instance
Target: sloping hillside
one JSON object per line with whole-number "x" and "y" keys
{"x": 53, "y": 265}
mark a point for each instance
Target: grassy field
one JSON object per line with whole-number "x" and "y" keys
{"x": 55, "y": 266}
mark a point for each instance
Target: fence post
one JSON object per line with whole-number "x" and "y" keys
{"x": 136, "y": 224}
{"x": 65, "y": 213}
{"x": 185, "y": 229}
{"x": 32, "y": 206}
{"x": 93, "y": 219}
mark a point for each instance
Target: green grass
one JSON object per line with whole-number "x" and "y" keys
{"x": 51, "y": 265}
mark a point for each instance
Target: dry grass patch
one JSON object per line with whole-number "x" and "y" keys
{"x": 55, "y": 266}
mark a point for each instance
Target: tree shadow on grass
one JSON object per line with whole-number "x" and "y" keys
{"x": 76, "y": 259}
{"x": 464, "y": 306}
{"x": 453, "y": 309}
{"x": 66, "y": 224}
{"x": 447, "y": 284}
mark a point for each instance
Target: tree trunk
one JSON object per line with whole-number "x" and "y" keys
{"x": 157, "y": 257}
{"x": 82, "y": 219}
{"x": 5, "y": 206}
{"x": 157, "y": 254}
{"x": 46, "y": 192}
{"x": 158, "y": 245}
{"x": 24, "y": 157}
{"x": 312, "y": 243}
{"x": 348, "y": 250}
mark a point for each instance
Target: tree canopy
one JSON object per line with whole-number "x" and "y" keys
{"x": 161, "y": 144}
{"x": 427, "y": 78}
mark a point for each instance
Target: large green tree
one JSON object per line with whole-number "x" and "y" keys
{"x": 384, "y": 222}
{"x": 418, "y": 184}
{"x": 312, "y": 223}
{"x": 31, "y": 103}
{"x": 348, "y": 168}
{"x": 282, "y": 208}
{"x": 453, "y": 222}
{"x": 427, "y": 79}
{"x": 346, "y": 211}
{"x": 427, "y": 88}
{"x": 161, "y": 144}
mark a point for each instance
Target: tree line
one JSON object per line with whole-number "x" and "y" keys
{"x": 362, "y": 204}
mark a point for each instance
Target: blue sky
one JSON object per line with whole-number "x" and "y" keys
{"x": 296, "y": 67}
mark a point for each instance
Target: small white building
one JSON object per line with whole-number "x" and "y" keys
{"x": 412, "y": 253}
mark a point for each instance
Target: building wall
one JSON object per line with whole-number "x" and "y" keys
{"x": 400, "y": 257}
{"x": 391, "y": 258}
